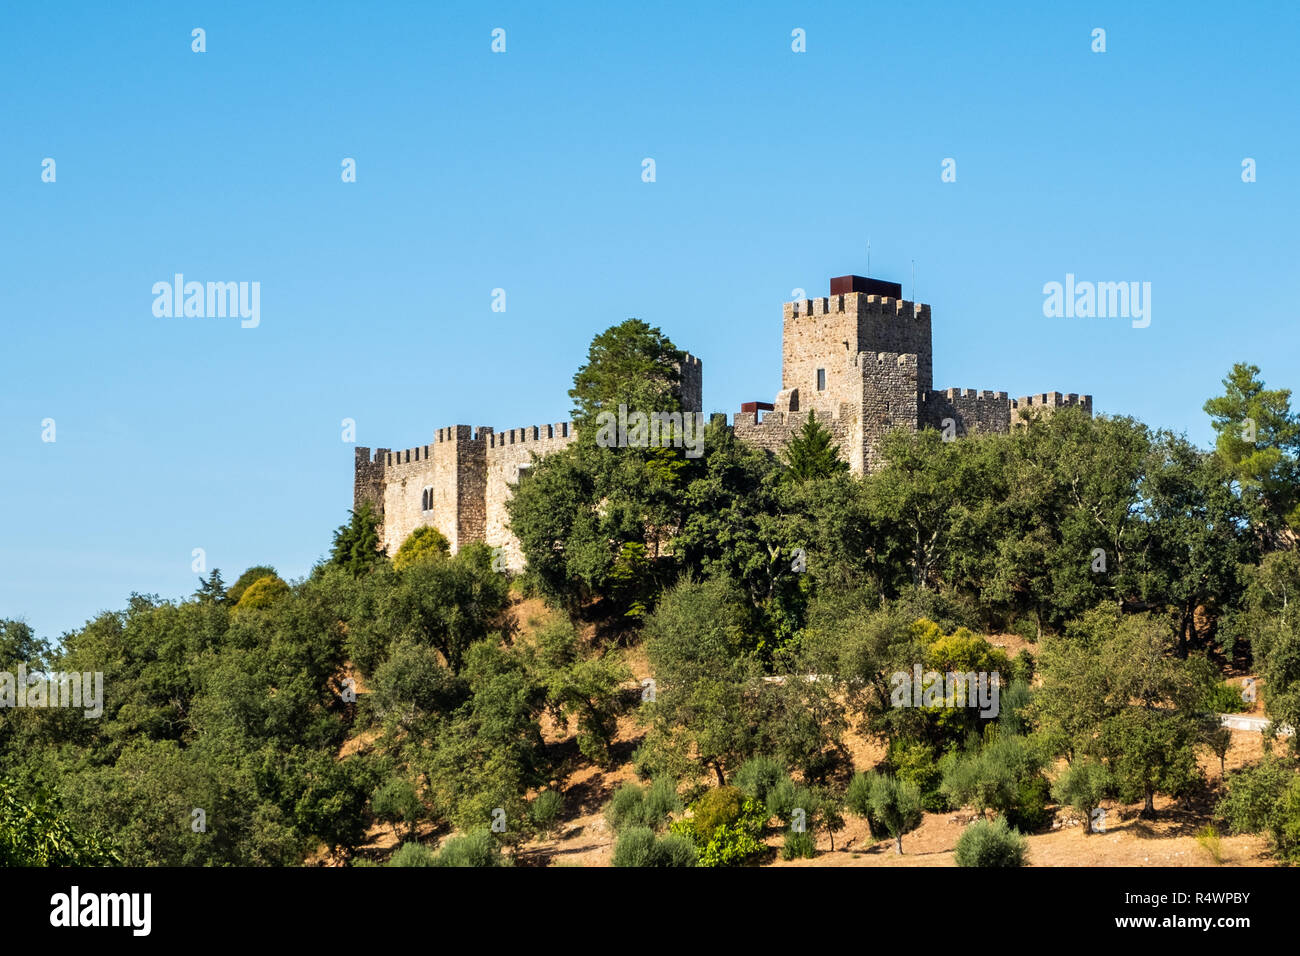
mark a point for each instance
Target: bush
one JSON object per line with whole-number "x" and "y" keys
{"x": 637, "y": 806}
{"x": 719, "y": 807}
{"x": 785, "y": 797}
{"x": 661, "y": 801}
{"x": 395, "y": 801}
{"x": 1026, "y": 628}
{"x": 424, "y": 542}
{"x": 1208, "y": 838}
{"x": 255, "y": 573}
{"x": 472, "y": 849}
{"x": 798, "y": 845}
{"x": 638, "y": 846}
{"x": 545, "y": 810}
{"x": 413, "y": 854}
{"x": 991, "y": 844}
{"x": 757, "y": 776}
{"x": 263, "y": 592}
{"x": 737, "y": 842}
{"x": 1225, "y": 699}
{"x": 1029, "y": 811}
{"x": 1265, "y": 797}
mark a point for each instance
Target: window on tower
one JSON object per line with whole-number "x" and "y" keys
{"x": 821, "y": 380}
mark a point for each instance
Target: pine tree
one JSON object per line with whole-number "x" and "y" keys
{"x": 213, "y": 590}
{"x": 812, "y": 453}
{"x": 356, "y": 544}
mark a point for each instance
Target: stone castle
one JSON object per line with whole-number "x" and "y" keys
{"x": 859, "y": 359}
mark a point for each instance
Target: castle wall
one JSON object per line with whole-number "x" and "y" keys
{"x": 508, "y": 453}
{"x": 773, "y": 430}
{"x": 972, "y": 412}
{"x": 1043, "y": 404}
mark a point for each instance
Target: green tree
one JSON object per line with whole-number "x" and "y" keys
{"x": 630, "y": 364}
{"x": 449, "y": 605}
{"x": 246, "y": 580}
{"x": 812, "y": 453}
{"x": 1114, "y": 689}
{"x": 356, "y": 544}
{"x": 1259, "y": 442}
{"x": 213, "y": 589}
{"x": 262, "y": 593}
{"x": 424, "y": 542}
{"x": 708, "y": 676}
{"x": 889, "y": 804}
{"x": 1083, "y": 785}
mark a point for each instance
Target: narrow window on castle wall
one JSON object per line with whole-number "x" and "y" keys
{"x": 821, "y": 380}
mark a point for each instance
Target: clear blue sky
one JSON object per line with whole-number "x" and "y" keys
{"x": 523, "y": 171}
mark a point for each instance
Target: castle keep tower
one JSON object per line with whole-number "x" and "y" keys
{"x": 861, "y": 359}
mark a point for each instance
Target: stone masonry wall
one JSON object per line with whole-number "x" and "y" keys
{"x": 692, "y": 384}
{"x": 814, "y": 333}
{"x": 508, "y": 453}
{"x": 1042, "y": 405}
{"x": 773, "y": 430}
{"x": 368, "y": 484}
{"x": 972, "y": 412}
{"x": 439, "y": 466}
{"x": 889, "y": 400}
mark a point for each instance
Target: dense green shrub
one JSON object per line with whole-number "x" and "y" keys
{"x": 545, "y": 810}
{"x": 395, "y": 801}
{"x": 757, "y": 776}
{"x": 798, "y": 845}
{"x": 991, "y": 844}
{"x": 1029, "y": 811}
{"x": 636, "y": 806}
{"x": 639, "y": 846}
{"x": 719, "y": 807}
{"x": 737, "y": 842}
{"x": 424, "y": 542}
{"x": 916, "y": 762}
{"x": 1265, "y": 798}
{"x": 263, "y": 592}
{"x": 1225, "y": 699}
{"x": 471, "y": 849}
{"x": 413, "y": 854}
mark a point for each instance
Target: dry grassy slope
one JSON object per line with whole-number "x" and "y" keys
{"x": 584, "y": 839}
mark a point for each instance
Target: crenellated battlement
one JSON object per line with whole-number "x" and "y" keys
{"x": 1045, "y": 403}
{"x": 897, "y": 359}
{"x": 531, "y": 433}
{"x": 1052, "y": 400}
{"x": 982, "y": 394}
{"x": 856, "y": 303}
